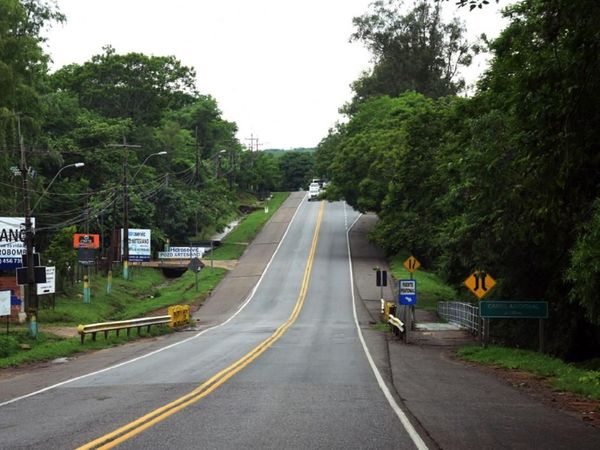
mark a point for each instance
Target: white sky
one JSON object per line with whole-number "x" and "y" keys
{"x": 280, "y": 69}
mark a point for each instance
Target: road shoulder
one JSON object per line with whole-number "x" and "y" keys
{"x": 457, "y": 404}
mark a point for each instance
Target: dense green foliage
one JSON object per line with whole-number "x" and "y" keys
{"x": 416, "y": 51}
{"x": 88, "y": 113}
{"x": 508, "y": 180}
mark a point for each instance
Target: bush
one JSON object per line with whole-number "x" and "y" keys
{"x": 8, "y": 346}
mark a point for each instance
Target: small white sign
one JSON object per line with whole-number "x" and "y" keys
{"x": 408, "y": 287}
{"x": 49, "y": 287}
{"x": 5, "y": 303}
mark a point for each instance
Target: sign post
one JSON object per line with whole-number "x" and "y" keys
{"x": 380, "y": 280}
{"x": 411, "y": 264}
{"x": 196, "y": 266}
{"x": 517, "y": 309}
{"x": 480, "y": 283}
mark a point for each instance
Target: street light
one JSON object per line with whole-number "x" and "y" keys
{"x": 47, "y": 188}
{"x": 126, "y": 210}
{"x": 145, "y": 160}
{"x": 217, "y": 158}
{"x": 30, "y": 294}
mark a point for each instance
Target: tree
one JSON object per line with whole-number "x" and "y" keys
{"x": 132, "y": 86}
{"x": 297, "y": 168}
{"x": 416, "y": 51}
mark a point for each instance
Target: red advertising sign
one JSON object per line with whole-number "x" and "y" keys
{"x": 86, "y": 241}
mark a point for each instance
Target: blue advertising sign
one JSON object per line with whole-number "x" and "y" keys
{"x": 407, "y": 292}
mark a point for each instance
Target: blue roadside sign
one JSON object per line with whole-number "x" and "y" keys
{"x": 407, "y": 292}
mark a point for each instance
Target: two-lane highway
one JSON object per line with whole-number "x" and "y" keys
{"x": 289, "y": 370}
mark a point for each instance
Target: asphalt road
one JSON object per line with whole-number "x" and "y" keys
{"x": 288, "y": 370}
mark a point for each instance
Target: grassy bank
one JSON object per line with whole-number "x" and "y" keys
{"x": 561, "y": 375}
{"x": 146, "y": 291}
{"x": 235, "y": 243}
{"x": 431, "y": 289}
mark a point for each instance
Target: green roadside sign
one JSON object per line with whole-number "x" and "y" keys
{"x": 517, "y": 309}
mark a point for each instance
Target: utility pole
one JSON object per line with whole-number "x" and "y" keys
{"x": 126, "y": 146}
{"x": 198, "y": 159}
{"x": 252, "y": 140}
{"x": 31, "y": 305}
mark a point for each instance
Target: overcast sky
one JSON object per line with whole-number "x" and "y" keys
{"x": 280, "y": 69}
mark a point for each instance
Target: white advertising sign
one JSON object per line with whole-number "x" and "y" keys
{"x": 182, "y": 253}
{"x": 12, "y": 241}
{"x": 139, "y": 244}
{"x": 49, "y": 287}
{"x": 4, "y": 303}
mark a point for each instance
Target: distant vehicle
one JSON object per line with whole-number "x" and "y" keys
{"x": 313, "y": 191}
{"x": 318, "y": 181}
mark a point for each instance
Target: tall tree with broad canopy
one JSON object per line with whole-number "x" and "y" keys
{"x": 416, "y": 51}
{"x": 134, "y": 85}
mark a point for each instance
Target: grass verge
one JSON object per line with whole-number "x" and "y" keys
{"x": 48, "y": 346}
{"x": 562, "y": 376}
{"x": 146, "y": 291}
{"x": 431, "y": 289}
{"x": 235, "y": 243}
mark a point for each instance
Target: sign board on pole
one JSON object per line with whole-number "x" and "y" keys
{"x": 407, "y": 292}
{"x": 86, "y": 256}
{"x": 412, "y": 264}
{"x": 195, "y": 265}
{"x": 86, "y": 240}
{"x": 5, "y": 303}
{"x": 517, "y": 309}
{"x": 49, "y": 287}
{"x": 12, "y": 241}
{"x": 480, "y": 283}
{"x": 139, "y": 244}
{"x": 381, "y": 278}
{"x": 183, "y": 253}
{"x": 39, "y": 275}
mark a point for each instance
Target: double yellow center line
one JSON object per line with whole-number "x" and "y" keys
{"x": 130, "y": 430}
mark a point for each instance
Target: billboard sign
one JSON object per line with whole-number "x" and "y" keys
{"x": 139, "y": 244}
{"x": 12, "y": 241}
{"x": 182, "y": 253}
{"x": 86, "y": 240}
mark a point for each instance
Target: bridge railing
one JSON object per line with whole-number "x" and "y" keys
{"x": 463, "y": 314}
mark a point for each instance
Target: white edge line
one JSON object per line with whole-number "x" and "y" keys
{"x": 414, "y": 435}
{"x": 251, "y": 295}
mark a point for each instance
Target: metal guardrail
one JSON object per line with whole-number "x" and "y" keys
{"x": 119, "y": 325}
{"x": 178, "y": 316}
{"x": 396, "y": 323}
{"x": 462, "y": 314}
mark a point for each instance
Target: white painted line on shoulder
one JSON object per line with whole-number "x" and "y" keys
{"x": 414, "y": 435}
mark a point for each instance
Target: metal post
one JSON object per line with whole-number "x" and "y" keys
{"x": 30, "y": 291}
{"x": 486, "y": 332}
{"x": 109, "y": 283}
{"x": 541, "y": 335}
{"x": 125, "y": 213}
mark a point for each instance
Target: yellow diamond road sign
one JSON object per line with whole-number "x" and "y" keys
{"x": 412, "y": 264}
{"x": 480, "y": 283}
